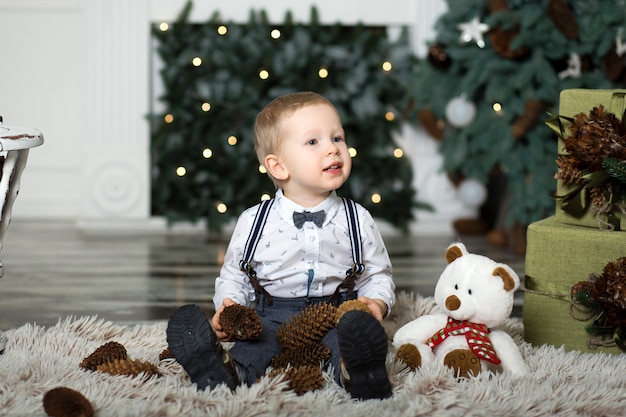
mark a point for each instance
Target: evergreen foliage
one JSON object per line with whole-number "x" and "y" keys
{"x": 228, "y": 80}
{"x": 527, "y": 59}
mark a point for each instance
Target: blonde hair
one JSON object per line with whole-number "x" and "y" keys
{"x": 267, "y": 135}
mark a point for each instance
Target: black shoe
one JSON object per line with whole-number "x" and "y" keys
{"x": 363, "y": 348}
{"x": 195, "y": 346}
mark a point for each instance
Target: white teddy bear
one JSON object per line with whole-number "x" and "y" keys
{"x": 475, "y": 294}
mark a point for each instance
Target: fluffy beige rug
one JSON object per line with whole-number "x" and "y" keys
{"x": 38, "y": 359}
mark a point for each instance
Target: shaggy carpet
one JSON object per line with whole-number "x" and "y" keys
{"x": 38, "y": 359}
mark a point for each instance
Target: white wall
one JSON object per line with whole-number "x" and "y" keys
{"x": 78, "y": 70}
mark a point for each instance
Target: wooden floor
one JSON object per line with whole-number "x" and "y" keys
{"x": 53, "y": 271}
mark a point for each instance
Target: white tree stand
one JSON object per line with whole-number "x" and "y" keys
{"x": 15, "y": 143}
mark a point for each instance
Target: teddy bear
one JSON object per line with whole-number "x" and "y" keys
{"x": 475, "y": 295}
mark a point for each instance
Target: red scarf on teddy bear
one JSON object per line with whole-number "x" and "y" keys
{"x": 477, "y": 336}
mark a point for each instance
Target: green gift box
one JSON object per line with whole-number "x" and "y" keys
{"x": 573, "y": 201}
{"x": 557, "y": 256}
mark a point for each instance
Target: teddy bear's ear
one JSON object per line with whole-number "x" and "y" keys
{"x": 508, "y": 277}
{"x": 454, "y": 251}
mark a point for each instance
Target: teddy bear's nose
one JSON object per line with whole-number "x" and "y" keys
{"x": 453, "y": 302}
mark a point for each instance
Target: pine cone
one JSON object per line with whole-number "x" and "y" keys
{"x": 611, "y": 292}
{"x": 598, "y": 195}
{"x": 613, "y": 64}
{"x": 302, "y": 379}
{"x": 66, "y": 402}
{"x": 349, "y": 306}
{"x": 307, "y": 327}
{"x": 105, "y": 353}
{"x": 501, "y": 41}
{"x": 311, "y": 354}
{"x": 166, "y": 354}
{"x": 240, "y": 322}
{"x": 128, "y": 367}
{"x": 563, "y": 18}
{"x": 568, "y": 171}
{"x": 596, "y": 137}
{"x": 532, "y": 110}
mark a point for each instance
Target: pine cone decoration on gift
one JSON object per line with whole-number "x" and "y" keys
{"x": 240, "y": 322}
{"x": 66, "y": 402}
{"x": 307, "y": 327}
{"x": 604, "y": 297}
{"x": 498, "y": 6}
{"x": 349, "y": 306}
{"x": 596, "y": 137}
{"x": 311, "y": 354}
{"x": 128, "y": 367}
{"x": 166, "y": 354}
{"x": 430, "y": 123}
{"x": 106, "y": 353}
{"x": 611, "y": 292}
{"x": 302, "y": 379}
{"x": 568, "y": 172}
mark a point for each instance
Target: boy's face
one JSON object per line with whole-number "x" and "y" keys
{"x": 313, "y": 153}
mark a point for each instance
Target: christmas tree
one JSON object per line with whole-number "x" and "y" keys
{"x": 218, "y": 75}
{"x": 494, "y": 72}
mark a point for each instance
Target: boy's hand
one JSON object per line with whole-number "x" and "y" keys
{"x": 376, "y": 305}
{"x": 215, "y": 321}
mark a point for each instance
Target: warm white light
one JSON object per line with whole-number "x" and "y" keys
{"x": 169, "y": 118}
{"x": 265, "y": 197}
{"x": 221, "y": 207}
{"x": 323, "y": 73}
{"x": 398, "y": 153}
{"x": 376, "y": 198}
{"x": 206, "y": 106}
{"x": 387, "y": 66}
{"x": 222, "y": 30}
{"x": 262, "y": 169}
{"x": 232, "y": 140}
{"x": 163, "y": 27}
{"x": 497, "y": 107}
{"x": 264, "y": 74}
{"x": 352, "y": 152}
{"x": 181, "y": 171}
{"x": 275, "y": 34}
{"x": 196, "y": 62}
{"x": 207, "y": 153}
{"x": 390, "y": 116}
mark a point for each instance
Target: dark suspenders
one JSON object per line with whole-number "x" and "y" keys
{"x": 355, "y": 241}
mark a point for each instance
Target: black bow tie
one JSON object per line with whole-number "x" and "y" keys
{"x": 300, "y": 218}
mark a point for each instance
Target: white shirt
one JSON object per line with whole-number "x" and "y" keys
{"x": 311, "y": 261}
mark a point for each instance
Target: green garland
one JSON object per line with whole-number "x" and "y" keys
{"x": 213, "y": 146}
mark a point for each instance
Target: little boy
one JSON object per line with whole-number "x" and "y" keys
{"x": 298, "y": 250}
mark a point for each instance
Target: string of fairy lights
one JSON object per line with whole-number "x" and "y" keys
{"x": 264, "y": 74}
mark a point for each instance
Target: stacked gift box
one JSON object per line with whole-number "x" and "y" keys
{"x": 568, "y": 252}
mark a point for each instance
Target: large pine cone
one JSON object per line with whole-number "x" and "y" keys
{"x": 307, "y": 327}
{"x": 311, "y": 354}
{"x": 302, "y": 379}
{"x": 106, "y": 353}
{"x": 128, "y": 367}
{"x": 240, "y": 322}
{"x": 66, "y": 402}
